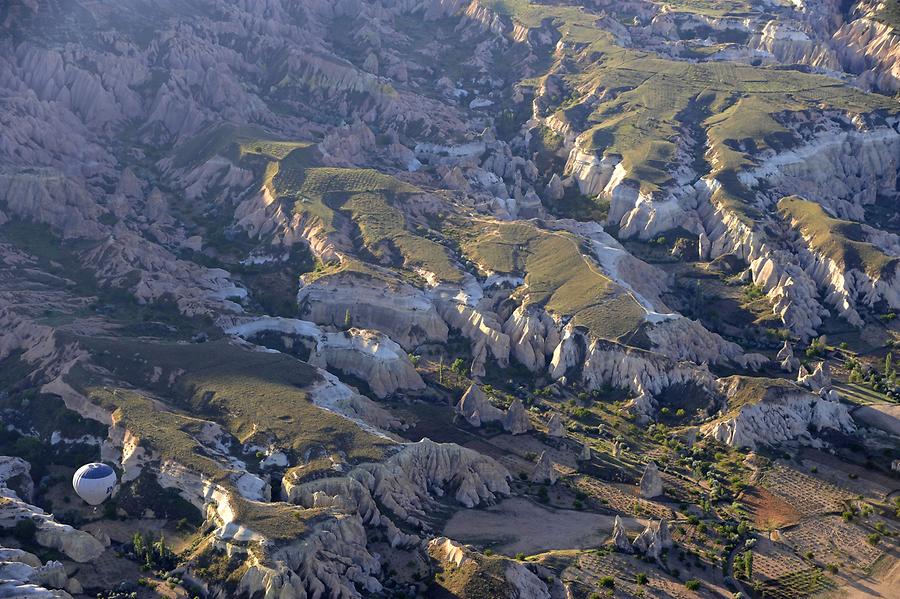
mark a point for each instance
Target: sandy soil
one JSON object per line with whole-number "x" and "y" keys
{"x": 884, "y": 584}
{"x": 518, "y": 524}
{"x": 768, "y": 510}
{"x": 882, "y": 416}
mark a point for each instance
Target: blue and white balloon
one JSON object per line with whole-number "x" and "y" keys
{"x": 94, "y": 482}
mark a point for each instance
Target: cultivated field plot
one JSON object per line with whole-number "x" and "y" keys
{"x": 615, "y": 498}
{"x": 833, "y": 541}
{"x": 768, "y": 510}
{"x": 588, "y": 568}
{"x": 809, "y": 496}
{"x": 677, "y": 488}
{"x": 783, "y": 574}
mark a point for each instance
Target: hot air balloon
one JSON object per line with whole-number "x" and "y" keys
{"x": 94, "y": 482}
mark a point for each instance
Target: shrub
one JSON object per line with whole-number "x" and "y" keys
{"x": 520, "y": 556}
{"x": 607, "y": 582}
{"x": 874, "y": 538}
{"x": 692, "y": 584}
{"x": 641, "y": 578}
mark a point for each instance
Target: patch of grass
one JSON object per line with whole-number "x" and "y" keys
{"x": 748, "y": 390}
{"x": 557, "y": 276}
{"x": 368, "y": 197}
{"x": 256, "y": 396}
{"x": 216, "y": 139}
{"x": 842, "y": 241}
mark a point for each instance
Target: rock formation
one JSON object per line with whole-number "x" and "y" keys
{"x": 367, "y": 355}
{"x": 786, "y": 358}
{"x": 77, "y": 545}
{"x": 516, "y": 420}
{"x": 586, "y": 453}
{"x": 620, "y": 538}
{"x": 653, "y": 540}
{"x": 544, "y": 471}
{"x": 770, "y": 411}
{"x": 651, "y": 483}
{"x": 22, "y": 575}
{"x": 518, "y": 581}
{"x": 476, "y": 408}
{"x": 819, "y": 379}
{"x": 555, "y": 426}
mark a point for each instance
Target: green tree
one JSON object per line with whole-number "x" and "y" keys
{"x": 458, "y": 366}
{"x": 348, "y": 321}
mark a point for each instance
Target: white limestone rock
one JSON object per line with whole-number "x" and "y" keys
{"x": 770, "y": 411}
{"x": 554, "y": 191}
{"x": 521, "y": 582}
{"x": 516, "y": 421}
{"x": 556, "y": 427}
{"x": 404, "y": 483}
{"x": 476, "y": 408}
{"x": 651, "y": 482}
{"x": 586, "y": 452}
{"x": 786, "y": 358}
{"x": 607, "y": 363}
{"x": 620, "y": 538}
{"x": 403, "y": 313}
{"x": 819, "y": 379}
{"x": 544, "y": 471}
{"x": 651, "y": 542}
{"x": 76, "y": 544}
{"x": 368, "y": 355}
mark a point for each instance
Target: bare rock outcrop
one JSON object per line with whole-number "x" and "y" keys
{"x": 404, "y": 313}
{"x": 586, "y": 452}
{"x": 405, "y": 482}
{"x": 651, "y": 483}
{"x": 477, "y": 409}
{"x": 516, "y": 420}
{"x": 620, "y": 538}
{"x": 368, "y": 355}
{"x": 78, "y": 545}
{"x": 603, "y": 362}
{"x": 653, "y": 540}
{"x": 519, "y": 582}
{"x": 544, "y": 471}
{"x": 770, "y": 411}
{"x": 556, "y": 427}
{"x": 786, "y": 358}
{"x": 818, "y": 379}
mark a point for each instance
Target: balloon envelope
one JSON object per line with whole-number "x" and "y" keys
{"x": 94, "y": 482}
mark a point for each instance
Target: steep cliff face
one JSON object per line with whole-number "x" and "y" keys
{"x": 75, "y": 544}
{"x": 869, "y": 48}
{"x": 513, "y": 579}
{"x": 767, "y": 412}
{"x": 603, "y": 363}
{"x": 369, "y": 355}
{"x": 403, "y": 312}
